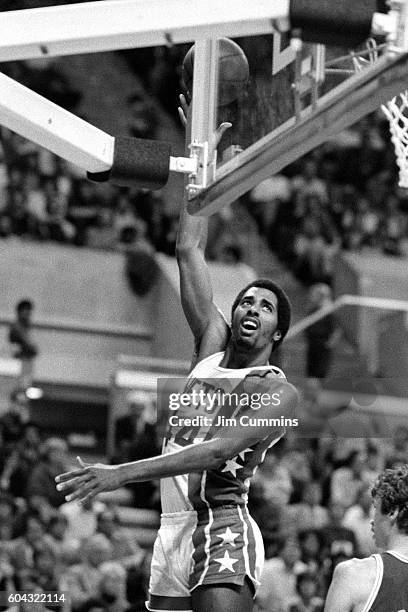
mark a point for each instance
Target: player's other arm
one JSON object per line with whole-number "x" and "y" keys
{"x": 228, "y": 442}
{"x": 351, "y": 585}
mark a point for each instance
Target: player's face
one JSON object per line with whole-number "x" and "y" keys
{"x": 255, "y": 319}
{"x": 380, "y": 526}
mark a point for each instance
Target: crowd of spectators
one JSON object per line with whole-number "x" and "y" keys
{"x": 311, "y": 499}
{"x": 44, "y": 198}
{"x": 320, "y": 206}
{"x": 50, "y": 545}
{"x": 343, "y": 196}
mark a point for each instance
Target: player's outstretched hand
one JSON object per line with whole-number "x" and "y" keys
{"x": 219, "y": 132}
{"x": 84, "y": 483}
{"x": 183, "y": 110}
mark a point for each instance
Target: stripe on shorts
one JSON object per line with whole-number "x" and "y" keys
{"x": 207, "y": 530}
{"x": 245, "y": 547}
{"x": 256, "y": 544}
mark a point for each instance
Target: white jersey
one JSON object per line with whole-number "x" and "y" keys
{"x": 228, "y": 484}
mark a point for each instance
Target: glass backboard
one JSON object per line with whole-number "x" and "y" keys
{"x": 297, "y": 95}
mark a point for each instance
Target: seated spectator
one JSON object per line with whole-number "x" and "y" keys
{"x": 41, "y": 507}
{"x": 136, "y": 438}
{"x": 124, "y": 217}
{"x": 369, "y": 222}
{"x": 36, "y": 206}
{"x": 59, "y": 228}
{"x": 274, "y": 479}
{"x": 397, "y": 452}
{"x": 111, "y": 593}
{"x": 66, "y": 549}
{"x": 278, "y": 580}
{"x": 394, "y": 227}
{"x": 143, "y": 116}
{"x": 347, "y": 481}
{"x": 273, "y": 524}
{"x": 82, "y": 518}
{"x": 312, "y": 253}
{"x": 23, "y": 458}
{"x": 18, "y": 209}
{"x": 54, "y": 461}
{"x": 307, "y": 182}
{"x": 22, "y": 549}
{"x": 125, "y": 548}
{"x": 373, "y": 456}
{"x": 307, "y": 599}
{"x": 309, "y": 513}
{"x": 358, "y": 519}
{"x": 8, "y": 517}
{"x": 335, "y": 538}
{"x": 102, "y": 235}
{"x": 6, "y": 228}
{"x": 168, "y": 236}
{"x": 322, "y": 336}
{"x": 27, "y": 581}
{"x": 46, "y": 567}
{"x": 266, "y": 198}
{"x": 82, "y": 581}
{"x": 296, "y": 461}
{"x": 310, "y": 549}
{"x": 83, "y": 206}
{"x": 7, "y": 574}
{"x": 141, "y": 267}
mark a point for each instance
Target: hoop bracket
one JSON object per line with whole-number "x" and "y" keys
{"x": 198, "y": 178}
{"x": 185, "y": 165}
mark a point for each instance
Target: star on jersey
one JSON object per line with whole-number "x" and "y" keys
{"x": 228, "y": 536}
{"x": 232, "y": 466}
{"x": 247, "y": 450}
{"x": 226, "y": 562}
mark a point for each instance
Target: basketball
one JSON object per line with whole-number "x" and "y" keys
{"x": 233, "y": 71}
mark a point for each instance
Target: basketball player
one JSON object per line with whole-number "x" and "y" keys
{"x": 378, "y": 583}
{"x": 208, "y": 554}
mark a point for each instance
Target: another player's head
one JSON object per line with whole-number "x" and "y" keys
{"x": 260, "y": 314}
{"x": 390, "y": 495}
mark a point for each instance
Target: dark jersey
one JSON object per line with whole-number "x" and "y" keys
{"x": 390, "y": 590}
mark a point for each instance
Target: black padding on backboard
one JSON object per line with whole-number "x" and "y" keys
{"x": 99, "y": 177}
{"x": 137, "y": 162}
{"x": 335, "y": 22}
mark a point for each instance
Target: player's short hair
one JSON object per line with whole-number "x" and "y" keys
{"x": 391, "y": 489}
{"x": 284, "y": 307}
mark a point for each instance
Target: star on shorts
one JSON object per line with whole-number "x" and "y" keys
{"x": 228, "y": 536}
{"x": 226, "y": 562}
{"x": 247, "y": 450}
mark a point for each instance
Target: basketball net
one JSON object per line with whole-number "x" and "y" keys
{"x": 396, "y": 113}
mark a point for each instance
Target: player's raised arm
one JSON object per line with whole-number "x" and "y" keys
{"x": 195, "y": 283}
